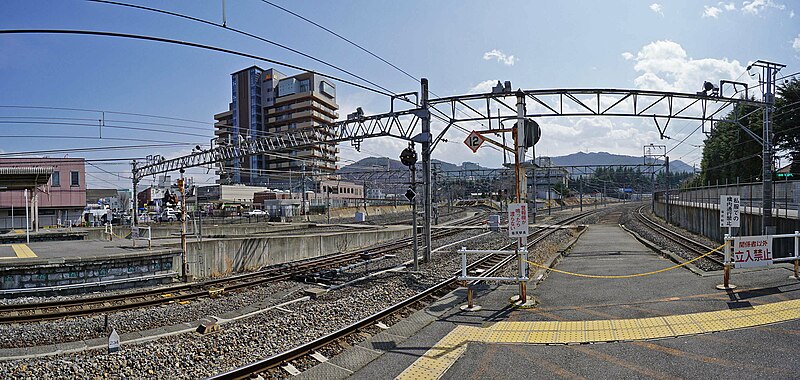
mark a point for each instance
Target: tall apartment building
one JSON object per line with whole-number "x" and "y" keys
{"x": 266, "y": 102}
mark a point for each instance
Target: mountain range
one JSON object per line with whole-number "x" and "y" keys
{"x": 574, "y": 159}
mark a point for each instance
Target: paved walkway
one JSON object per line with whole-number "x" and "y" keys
{"x": 653, "y": 327}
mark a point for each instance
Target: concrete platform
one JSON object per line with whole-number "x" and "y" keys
{"x": 673, "y": 324}
{"x": 60, "y": 267}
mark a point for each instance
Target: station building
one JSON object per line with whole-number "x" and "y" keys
{"x": 56, "y": 190}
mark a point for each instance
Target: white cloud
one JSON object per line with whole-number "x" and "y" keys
{"x": 627, "y": 55}
{"x": 728, "y": 6}
{"x": 507, "y": 60}
{"x": 711, "y": 11}
{"x": 791, "y": 14}
{"x": 665, "y": 65}
{"x": 483, "y": 87}
{"x": 658, "y": 8}
{"x": 756, "y": 6}
{"x": 796, "y": 43}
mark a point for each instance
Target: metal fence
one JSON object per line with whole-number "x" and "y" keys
{"x": 785, "y": 195}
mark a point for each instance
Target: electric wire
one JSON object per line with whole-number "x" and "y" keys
{"x": 196, "y": 19}
{"x": 190, "y": 44}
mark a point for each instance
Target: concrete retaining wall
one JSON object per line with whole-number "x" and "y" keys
{"x": 703, "y": 219}
{"x": 215, "y": 257}
{"x": 35, "y": 273}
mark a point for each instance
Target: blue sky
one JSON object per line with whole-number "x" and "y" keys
{"x": 461, "y": 46}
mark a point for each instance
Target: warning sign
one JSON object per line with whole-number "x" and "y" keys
{"x": 729, "y": 211}
{"x": 518, "y": 219}
{"x": 752, "y": 251}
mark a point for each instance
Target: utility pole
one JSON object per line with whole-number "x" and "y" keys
{"x": 328, "y": 202}
{"x": 135, "y": 213}
{"x": 303, "y": 195}
{"x": 769, "y": 72}
{"x": 666, "y": 192}
{"x": 182, "y": 189}
{"x": 522, "y": 193}
{"x": 426, "y": 169}
{"x": 580, "y": 187}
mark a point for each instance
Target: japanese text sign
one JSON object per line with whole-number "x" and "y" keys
{"x": 752, "y": 251}
{"x": 518, "y": 219}
{"x": 729, "y": 211}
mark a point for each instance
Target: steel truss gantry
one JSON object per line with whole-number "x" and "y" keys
{"x": 414, "y": 124}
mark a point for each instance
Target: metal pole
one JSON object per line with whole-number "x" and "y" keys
{"x": 770, "y": 70}
{"x": 415, "y": 245}
{"x": 135, "y": 194}
{"x": 426, "y": 170}
{"x": 581, "y": 191}
{"x": 666, "y": 192}
{"x": 185, "y": 267}
{"x": 199, "y": 214}
{"x": 522, "y": 193}
{"x": 27, "y": 223}
{"x": 328, "y": 202}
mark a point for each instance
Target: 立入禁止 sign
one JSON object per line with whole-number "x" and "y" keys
{"x": 752, "y": 251}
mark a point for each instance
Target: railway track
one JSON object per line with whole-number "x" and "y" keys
{"x": 688, "y": 244}
{"x": 486, "y": 266}
{"x": 50, "y": 310}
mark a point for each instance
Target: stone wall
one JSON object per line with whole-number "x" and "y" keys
{"x": 35, "y": 273}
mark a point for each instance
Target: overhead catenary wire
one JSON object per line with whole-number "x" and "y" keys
{"x": 190, "y": 44}
{"x": 101, "y": 111}
{"x": 251, "y": 35}
{"x": 93, "y": 149}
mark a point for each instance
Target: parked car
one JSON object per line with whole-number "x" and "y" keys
{"x": 257, "y": 212}
{"x": 169, "y": 215}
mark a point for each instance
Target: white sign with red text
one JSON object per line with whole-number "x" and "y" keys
{"x": 517, "y": 219}
{"x": 752, "y": 251}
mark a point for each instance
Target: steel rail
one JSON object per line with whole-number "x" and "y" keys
{"x": 693, "y": 246}
{"x": 299, "y": 351}
{"x": 14, "y": 313}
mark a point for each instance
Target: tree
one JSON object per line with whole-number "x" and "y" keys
{"x": 730, "y": 153}
{"x": 787, "y": 123}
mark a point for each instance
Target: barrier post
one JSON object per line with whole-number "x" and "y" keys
{"x": 149, "y": 237}
{"x": 796, "y": 254}
{"x": 726, "y": 275}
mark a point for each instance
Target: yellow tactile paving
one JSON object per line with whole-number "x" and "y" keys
{"x": 652, "y": 322}
{"x": 435, "y": 362}
{"x": 598, "y": 325}
{"x": 22, "y": 251}
{"x": 546, "y": 326}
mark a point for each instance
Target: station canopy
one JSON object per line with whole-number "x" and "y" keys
{"x": 19, "y": 178}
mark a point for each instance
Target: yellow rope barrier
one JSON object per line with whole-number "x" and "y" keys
{"x": 628, "y": 275}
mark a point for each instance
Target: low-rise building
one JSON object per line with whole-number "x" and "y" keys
{"x": 60, "y": 199}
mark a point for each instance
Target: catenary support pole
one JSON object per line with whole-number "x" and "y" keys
{"x": 415, "y": 245}
{"x": 426, "y": 171}
{"x": 185, "y": 264}
{"x": 769, "y": 71}
{"x": 522, "y": 193}
{"x": 135, "y": 195}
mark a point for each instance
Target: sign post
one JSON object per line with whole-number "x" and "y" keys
{"x": 729, "y": 216}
